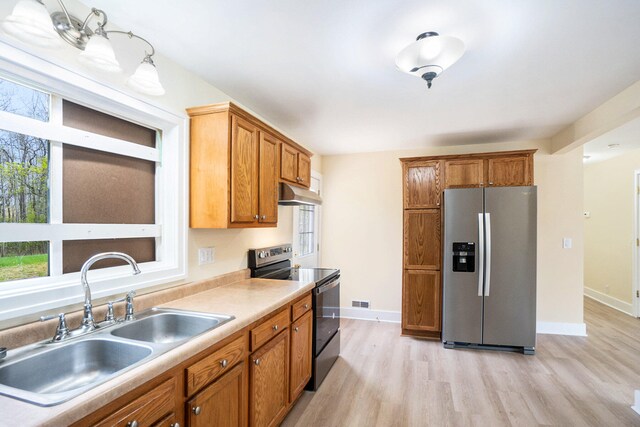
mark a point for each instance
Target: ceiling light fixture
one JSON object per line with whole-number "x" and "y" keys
{"x": 30, "y": 22}
{"x": 429, "y": 55}
{"x": 613, "y": 146}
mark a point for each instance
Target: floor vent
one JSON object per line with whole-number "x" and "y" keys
{"x": 360, "y": 304}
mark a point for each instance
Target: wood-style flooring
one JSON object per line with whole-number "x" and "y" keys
{"x": 383, "y": 379}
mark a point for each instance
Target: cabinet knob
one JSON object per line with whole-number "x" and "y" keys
{"x": 256, "y": 217}
{"x": 257, "y": 362}
{"x": 306, "y": 306}
{"x": 437, "y": 203}
{"x": 175, "y": 425}
{"x": 275, "y": 327}
{"x": 224, "y": 363}
{"x": 295, "y": 329}
{"x": 264, "y": 217}
{"x": 196, "y": 410}
{"x": 490, "y": 182}
{"x": 133, "y": 423}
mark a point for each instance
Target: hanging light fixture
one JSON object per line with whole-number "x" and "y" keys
{"x": 31, "y": 23}
{"x": 429, "y": 55}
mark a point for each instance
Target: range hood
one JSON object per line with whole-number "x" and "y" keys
{"x": 290, "y": 195}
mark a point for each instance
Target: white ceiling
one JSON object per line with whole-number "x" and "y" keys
{"x": 626, "y": 136}
{"x": 323, "y": 71}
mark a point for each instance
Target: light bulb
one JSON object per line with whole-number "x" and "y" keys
{"x": 99, "y": 55}
{"x": 146, "y": 80}
{"x": 30, "y": 23}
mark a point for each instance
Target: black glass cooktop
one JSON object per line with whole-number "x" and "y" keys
{"x": 317, "y": 275}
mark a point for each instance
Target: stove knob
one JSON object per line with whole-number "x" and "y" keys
{"x": 262, "y": 254}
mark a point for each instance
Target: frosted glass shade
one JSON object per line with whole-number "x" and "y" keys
{"x": 99, "y": 55}
{"x": 430, "y": 54}
{"x": 146, "y": 80}
{"x": 30, "y": 23}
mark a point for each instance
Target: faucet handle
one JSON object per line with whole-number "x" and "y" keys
{"x": 110, "y": 317}
{"x": 129, "y": 315}
{"x": 61, "y": 330}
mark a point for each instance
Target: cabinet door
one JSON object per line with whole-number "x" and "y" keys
{"x": 222, "y": 404}
{"x": 288, "y": 163}
{"x": 244, "y": 171}
{"x": 508, "y": 171}
{"x": 301, "y": 335}
{"x": 463, "y": 173}
{"x": 304, "y": 170}
{"x": 422, "y": 187}
{"x": 421, "y": 301}
{"x": 268, "y": 180}
{"x": 422, "y": 239}
{"x": 269, "y": 382}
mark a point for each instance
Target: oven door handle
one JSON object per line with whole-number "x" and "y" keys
{"x": 326, "y": 287}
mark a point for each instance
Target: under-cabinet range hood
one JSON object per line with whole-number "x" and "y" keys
{"x": 290, "y": 195}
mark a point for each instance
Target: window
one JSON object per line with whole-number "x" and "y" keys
{"x": 306, "y": 230}
{"x": 80, "y": 179}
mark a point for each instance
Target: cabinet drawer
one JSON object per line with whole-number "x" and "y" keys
{"x": 269, "y": 329}
{"x": 148, "y": 409}
{"x": 211, "y": 367}
{"x": 300, "y": 307}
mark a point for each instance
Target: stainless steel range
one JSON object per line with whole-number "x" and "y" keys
{"x": 275, "y": 263}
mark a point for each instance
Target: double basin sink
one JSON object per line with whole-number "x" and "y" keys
{"x": 47, "y": 374}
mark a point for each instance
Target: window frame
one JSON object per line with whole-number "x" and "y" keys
{"x": 25, "y": 297}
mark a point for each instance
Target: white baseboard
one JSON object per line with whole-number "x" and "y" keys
{"x": 366, "y": 314}
{"x": 608, "y": 300}
{"x": 636, "y": 406}
{"x": 561, "y": 328}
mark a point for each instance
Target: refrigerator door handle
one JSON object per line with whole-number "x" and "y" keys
{"x": 487, "y": 287}
{"x": 480, "y": 252}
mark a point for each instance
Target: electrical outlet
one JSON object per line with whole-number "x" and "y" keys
{"x": 206, "y": 255}
{"x": 567, "y": 243}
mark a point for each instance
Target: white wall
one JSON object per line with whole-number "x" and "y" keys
{"x": 362, "y": 226}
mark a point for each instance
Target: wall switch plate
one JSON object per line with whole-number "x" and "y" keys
{"x": 206, "y": 255}
{"x": 567, "y": 243}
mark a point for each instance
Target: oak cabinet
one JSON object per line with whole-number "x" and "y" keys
{"x": 422, "y": 239}
{"x": 300, "y": 365}
{"x": 236, "y": 163}
{"x": 268, "y": 382}
{"x": 223, "y": 403}
{"x": 295, "y": 166}
{"x": 422, "y": 188}
{"x": 460, "y": 173}
{"x": 510, "y": 171}
{"x": 421, "y": 300}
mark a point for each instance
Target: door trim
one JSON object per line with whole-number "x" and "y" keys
{"x": 636, "y": 252}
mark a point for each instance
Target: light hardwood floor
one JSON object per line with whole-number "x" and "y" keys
{"x": 382, "y": 379}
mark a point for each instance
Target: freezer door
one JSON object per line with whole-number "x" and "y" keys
{"x": 510, "y": 285}
{"x": 462, "y": 293}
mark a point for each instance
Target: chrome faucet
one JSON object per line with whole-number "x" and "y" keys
{"x": 88, "y": 323}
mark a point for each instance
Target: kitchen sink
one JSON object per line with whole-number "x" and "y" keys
{"x": 48, "y": 373}
{"x": 59, "y": 373}
{"x": 168, "y": 326}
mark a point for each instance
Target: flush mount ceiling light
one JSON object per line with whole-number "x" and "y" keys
{"x": 613, "y": 146}
{"x": 429, "y": 55}
{"x": 30, "y": 22}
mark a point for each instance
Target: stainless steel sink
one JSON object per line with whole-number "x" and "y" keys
{"x": 57, "y": 373}
{"x": 48, "y": 373}
{"x": 168, "y": 326}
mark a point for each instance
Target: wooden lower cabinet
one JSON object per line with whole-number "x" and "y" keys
{"x": 223, "y": 403}
{"x": 421, "y": 300}
{"x": 269, "y": 382}
{"x": 301, "y": 342}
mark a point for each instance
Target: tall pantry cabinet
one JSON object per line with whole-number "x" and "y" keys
{"x": 424, "y": 180}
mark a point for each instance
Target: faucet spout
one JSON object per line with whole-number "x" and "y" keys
{"x": 87, "y": 318}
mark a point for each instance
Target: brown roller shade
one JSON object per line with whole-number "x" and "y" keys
{"x": 106, "y": 188}
{"x": 76, "y": 252}
{"x": 79, "y": 117}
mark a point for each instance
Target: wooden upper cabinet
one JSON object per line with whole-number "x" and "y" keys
{"x": 235, "y": 167}
{"x": 268, "y": 182}
{"x": 422, "y": 184}
{"x": 421, "y": 300}
{"x": 464, "y": 173}
{"x": 511, "y": 170}
{"x": 422, "y": 239}
{"x": 295, "y": 166}
{"x": 244, "y": 171}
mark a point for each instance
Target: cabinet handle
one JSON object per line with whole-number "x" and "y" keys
{"x": 295, "y": 329}
{"x": 275, "y": 327}
{"x": 196, "y": 410}
{"x": 257, "y": 362}
{"x": 306, "y": 306}
{"x": 133, "y": 423}
{"x": 224, "y": 363}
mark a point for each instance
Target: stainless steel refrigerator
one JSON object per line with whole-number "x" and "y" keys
{"x": 489, "y": 298}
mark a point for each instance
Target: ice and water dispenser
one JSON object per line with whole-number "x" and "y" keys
{"x": 464, "y": 257}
